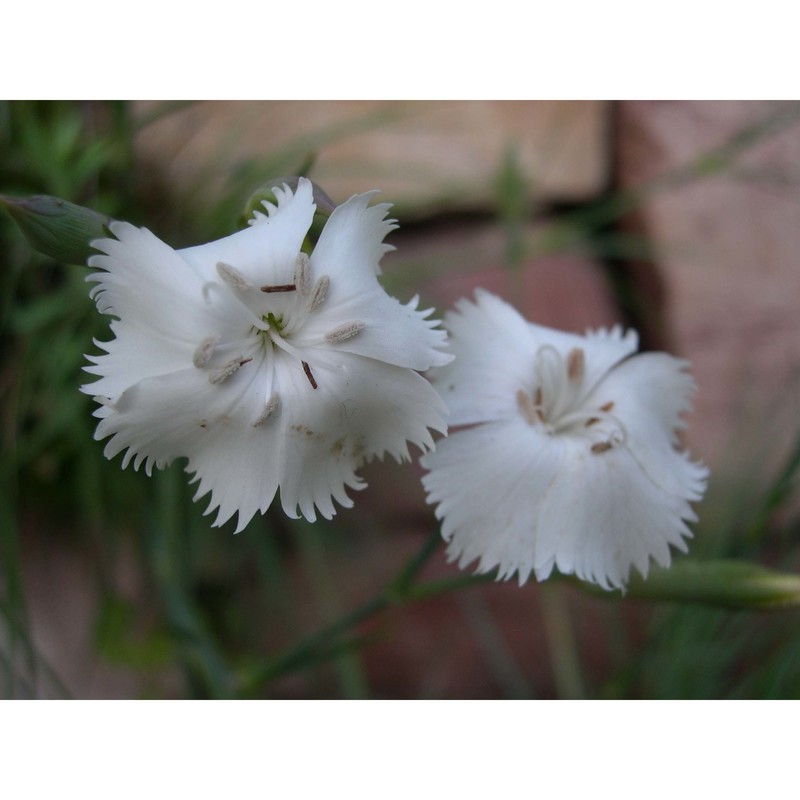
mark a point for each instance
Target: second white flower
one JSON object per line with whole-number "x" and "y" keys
{"x": 569, "y": 461}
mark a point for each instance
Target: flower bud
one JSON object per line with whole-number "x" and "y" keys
{"x": 57, "y": 228}
{"x": 264, "y": 192}
{"x": 723, "y": 583}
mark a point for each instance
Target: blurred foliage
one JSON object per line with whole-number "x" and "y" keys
{"x": 183, "y": 610}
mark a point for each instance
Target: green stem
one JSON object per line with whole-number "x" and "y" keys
{"x": 15, "y": 605}
{"x": 561, "y": 644}
{"x": 403, "y": 580}
{"x": 348, "y": 665}
{"x": 200, "y": 655}
{"x": 397, "y": 592}
{"x": 298, "y": 657}
{"x": 777, "y": 494}
{"x": 444, "y": 585}
{"x": 47, "y": 671}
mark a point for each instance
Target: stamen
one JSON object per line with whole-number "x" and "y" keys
{"x": 537, "y": 397}
{"x": 272, "y": 405}
{"x": 525, "y": 405}
{"x": 576, "y": 363}
{"x": 607, "y": 406}
{"x": 601, "y": 447}
{"x": 257, "y": 323}
{"x": 233, "y": 277}
{"x": 344, "y": 332}
{"x": 619, "y": 436}
{"x": 224, "y": 372}
{"x": 310, "y": 377}
{"x": 284, "y": 287}
{"x": 204, "y": 351}
{"x": 284, "y": 345}
{"x": 302, "y": 275}
{"x": 591, "y": 421}
{"x": 319, "y": 293}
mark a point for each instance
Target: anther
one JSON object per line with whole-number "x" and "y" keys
{"x": 537, "y": 398}
{"x": 319, "y": 293}
{"x": 204, "y": 351}
{"x": 601, "y": 447}
{"x": 310, "y": 377}
{"x": 525, "y": 405}
{"x": 302, "y": 275}
{"x": 607, "y": 406}
{"x": 591, "y": 421}
{"x": 224, "y": 372}
{"x": 283, "y": 287}
{"x": 233, "y": 277}
{"x": 269, "y": 409}
{"x": 344, "y": 332}
{"x": 575, "y": 364}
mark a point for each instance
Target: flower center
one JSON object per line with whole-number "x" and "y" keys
{"x": 276, "y": 313}
{"x": 557, "y": 403}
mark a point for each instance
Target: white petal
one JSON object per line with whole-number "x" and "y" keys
{"x": 360, "y": 409}
{"x": 521, "y": 501}
{"x": 489, "y": 483}
{"x": 347, "y": 256}
{"x": 163, "y": 310}
{"x": 183, "y": 415}
{"x": 134, "y": 354}
{"x": 494, "y": 350}
{"x": 650, "y": 392}
{"x": 602, "y": 515}
{"x": 148, "y": 284}
{"x": 265, "y": 253}
{"x": 393, "y": 333}
{"x": 351, "y": 246}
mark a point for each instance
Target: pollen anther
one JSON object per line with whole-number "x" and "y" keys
{"x": 344, "y": 332}
{"x": 233, "y": 277}
{"x": 576, "y": 363}
{"x": 302, "y": 275}
{"x": 309, "y": 374}
{"x": 269, "y": 409}
{"x": 319, "y": 293}
{"x": 283, "y": 287}
{"x": 221, "y": 374}
{"x": 204, "y": 351}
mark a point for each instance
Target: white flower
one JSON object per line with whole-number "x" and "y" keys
{"x": 570, "y": 461}
{"x": 263, "y": 367}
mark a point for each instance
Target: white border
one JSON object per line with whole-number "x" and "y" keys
{"x": 381, "y": 749}
{"x": 414, "y": 49}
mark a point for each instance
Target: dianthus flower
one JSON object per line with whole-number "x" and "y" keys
{"x": 264, "y": 367}
{"x": 570, "y": 460}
